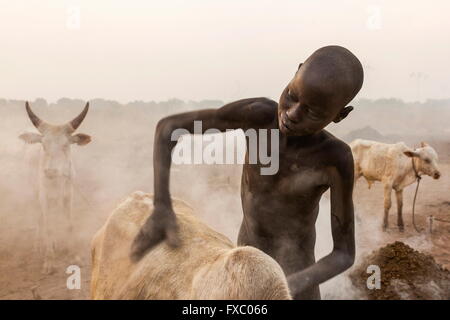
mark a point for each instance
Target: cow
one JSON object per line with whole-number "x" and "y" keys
{"x": 55, "y": 180}
{"x": 207, "y": 265}
{"x": 396, "y": 166}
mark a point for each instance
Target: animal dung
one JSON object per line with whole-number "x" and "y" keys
{"x": 405, "y": 274}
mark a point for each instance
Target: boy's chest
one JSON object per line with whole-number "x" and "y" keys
{"x": 299, "y": 175}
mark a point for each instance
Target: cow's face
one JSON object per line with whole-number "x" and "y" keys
{"x": 56, "y": 141}
{"x": 426, "y": 160}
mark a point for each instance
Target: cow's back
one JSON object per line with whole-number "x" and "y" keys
{"x": 376, "y": 160}
{"x": 206, "y": 259}
{"x": 112, "y": 268}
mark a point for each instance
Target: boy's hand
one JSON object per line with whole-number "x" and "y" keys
{"x": 298, "y": 284}
{"x": 160, "y": 226}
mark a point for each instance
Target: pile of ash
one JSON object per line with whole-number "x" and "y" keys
{"x": 406, "y": 274}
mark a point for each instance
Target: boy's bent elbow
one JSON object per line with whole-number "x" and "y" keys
{"x": 166, "y": 130}
{"x": 349, "y": 261}
{"x": 164, "y": 125}
{"x": 345, "y": 260}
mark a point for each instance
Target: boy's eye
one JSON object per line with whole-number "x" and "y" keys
{"x": 291, "y": 96}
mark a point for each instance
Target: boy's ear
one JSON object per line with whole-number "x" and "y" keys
{"x": 80, "y": 139}
{"x": 343, "y": 114}
{"x": 31, "y": 137}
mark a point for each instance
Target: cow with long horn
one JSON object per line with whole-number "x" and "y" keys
{"x": 55, "y": 180}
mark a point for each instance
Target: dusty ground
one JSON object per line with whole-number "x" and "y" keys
{"x": 20, "y": 264}
{"x": 405, "y": 274}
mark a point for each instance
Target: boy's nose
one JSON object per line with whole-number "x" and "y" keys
{"x": 293, "y": 113}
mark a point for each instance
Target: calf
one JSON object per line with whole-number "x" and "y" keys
{"x": 206, "y": 265}
{"x": 396, "y": 166}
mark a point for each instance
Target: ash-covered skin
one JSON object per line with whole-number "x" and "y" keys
{"x": 280, "y": 210}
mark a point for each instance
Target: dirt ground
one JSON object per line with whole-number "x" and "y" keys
{"x": 20, "y": 276}
{"x": 405, "y": 274}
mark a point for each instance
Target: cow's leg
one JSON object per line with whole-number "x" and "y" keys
{"x": 49, "y": 249}
{"x": 40, "y": 233}
{"x": 69, "y": 237}
{"x": 49, "y": 237}
{"x": 387, "y": 204}
{"x": 68, "y": 219}
{"x": 399, "y": 196}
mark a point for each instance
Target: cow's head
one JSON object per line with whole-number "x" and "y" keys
{"x": 425, "y": 159}
{"x": 56, "y": 141}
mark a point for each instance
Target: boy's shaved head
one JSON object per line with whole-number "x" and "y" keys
{"x": 317, "y": 95}
{"x": 334, "y": 70}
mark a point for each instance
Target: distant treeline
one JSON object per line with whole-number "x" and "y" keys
{"x": 99, "y": 103}
{"x": 394, "y": 102}
{"x": 176, "y": 104}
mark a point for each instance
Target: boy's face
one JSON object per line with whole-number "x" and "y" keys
{"x": 307, "y": 104}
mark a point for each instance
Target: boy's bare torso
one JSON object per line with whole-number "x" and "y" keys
{"x": 280, "y": 210}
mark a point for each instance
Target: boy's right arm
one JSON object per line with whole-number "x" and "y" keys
{"x": 162, "y": 224}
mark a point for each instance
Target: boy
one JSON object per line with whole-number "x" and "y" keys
{"x": 280, "y": 210}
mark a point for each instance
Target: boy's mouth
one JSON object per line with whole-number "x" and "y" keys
{"x": 286, "y": 126}
{"x": 284, "y": 122}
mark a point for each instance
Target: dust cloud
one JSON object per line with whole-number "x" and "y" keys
{"x": 118, "y": 162}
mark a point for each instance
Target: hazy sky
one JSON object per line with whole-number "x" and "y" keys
{"x": 219, "y": 49}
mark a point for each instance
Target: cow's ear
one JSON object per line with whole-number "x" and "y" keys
{"x": 343, "y": 114}
{"x": 80, "y": 139}
{"x": 411, "y": 153}
{"x": 31, "y": 137}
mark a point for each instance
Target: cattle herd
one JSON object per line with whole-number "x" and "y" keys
{"x": 208, "y": 265}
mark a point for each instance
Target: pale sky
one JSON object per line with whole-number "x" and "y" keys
{"x": 215, "y": 49}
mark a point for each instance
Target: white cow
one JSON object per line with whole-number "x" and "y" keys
{"x": 396, "y": 166}
{"x": 206, "y": 265}
{"x": 55, "y": 180}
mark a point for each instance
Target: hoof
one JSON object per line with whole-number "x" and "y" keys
{"x": 35, "y": 293}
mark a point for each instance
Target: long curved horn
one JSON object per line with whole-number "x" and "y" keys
{"x": 34, "y": 118}
{"x": 75, "y": 123}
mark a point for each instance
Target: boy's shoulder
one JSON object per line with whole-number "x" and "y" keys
{"x": 254, "y": 112}
{"x": 338, "y": 152}
{"x": 334, "y": 142}
{"x": 261, "y": 105}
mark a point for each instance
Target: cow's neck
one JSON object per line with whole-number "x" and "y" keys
{"x": 410, "y": 174}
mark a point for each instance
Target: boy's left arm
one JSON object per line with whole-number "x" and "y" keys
{"x": 342, "y": 228}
